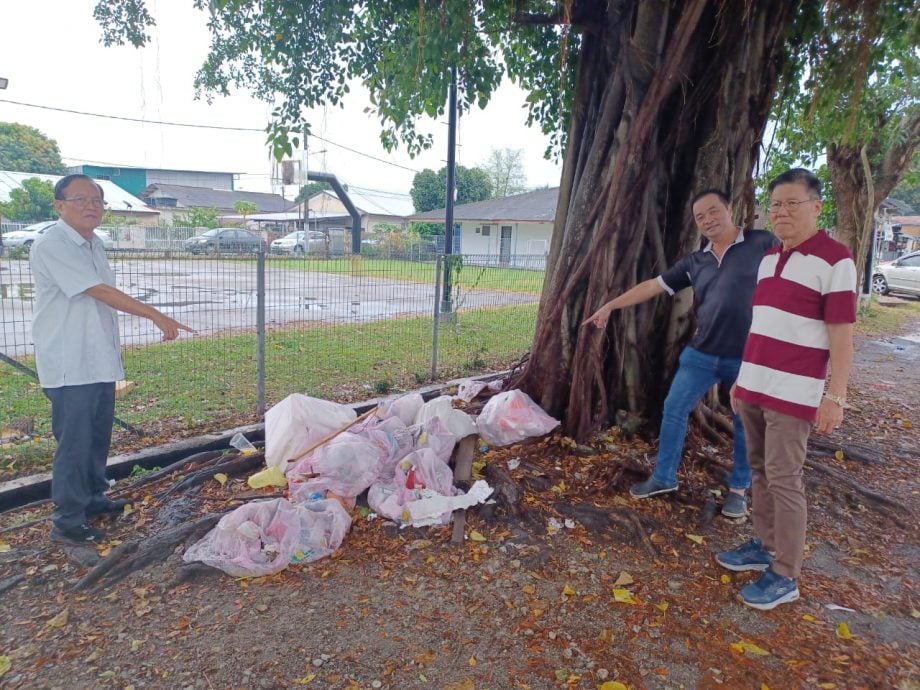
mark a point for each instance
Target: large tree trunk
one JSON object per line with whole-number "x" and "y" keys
{"x": 672, "y": 97}
{"x": 863, "y": 176}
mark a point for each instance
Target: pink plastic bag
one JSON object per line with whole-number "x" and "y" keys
{"x": 264, "y": 537}
{"x": 511, "y": 417}
{"x": 296, "y": 423}
{"x": 346, "y": 465}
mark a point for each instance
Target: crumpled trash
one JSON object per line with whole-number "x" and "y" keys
{"x": 511, "y": 417}
{"x": 421, "y": 474}
{"x": 296, "y": 423}
{"x": 468, "y": 389}
{"x": 434, "y": 434}
{"x": 270, "y": 476}
{"x": 264, "y": 537}
{"x": 242, "y": 444}
{"x": 346, "y": 465}
{"x": 432, "y": 510}
{"x": 458, "y": 422}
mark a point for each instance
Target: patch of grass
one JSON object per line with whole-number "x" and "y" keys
{"x": 879, "y": 320}
{"x": 201, "y": 382}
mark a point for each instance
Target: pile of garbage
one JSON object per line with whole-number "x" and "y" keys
{"x": 326, "y": 456}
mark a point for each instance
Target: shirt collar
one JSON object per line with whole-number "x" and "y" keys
{"x": 72, "y": 234}
{"x": 738, "y": 240}
{"x": 809, "y": 245}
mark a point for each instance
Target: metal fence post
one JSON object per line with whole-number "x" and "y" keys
{"x": 260, "y": 329}
{"x": 437, "y": 312}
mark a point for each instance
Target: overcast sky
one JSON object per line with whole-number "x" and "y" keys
{"x": 51, "y": 54}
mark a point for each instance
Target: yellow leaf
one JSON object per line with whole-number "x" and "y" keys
{"x": 476, "y": 536}
{"x": 568, "y": 591}
{"x": 764, "y": 686}
{"x": 695, "y": 538}
{"x": 724, "y": 579}
{"x": 612, "y": 685}
{"x": 663, "y": 607}
{"x": 907, "y": 424}
{"x": 136, "y": 644}
{"x": 60, "y": 620}
{"x": 843, "y": 631}
{"x": 914, "y": 613}
{"x": 105, "y": 550}
{"x": 808, "y": 618}
{"x": 602, "y": 555}
{"x": 472, "y": 661}
{"x": 624, "y": 579}
{"x": 306, "y": 680}
{"x": 221, "y": 478}
{"x": 528, "y": 589}
{"x": 827, "y": 686}
{"x": 742, "y": 646}
{"x": 5, "y": 665}
{"x": 4, "y": 547}
{"x": 623, "y": 596}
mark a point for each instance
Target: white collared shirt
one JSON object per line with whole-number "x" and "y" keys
{"x": 75, "y": 335}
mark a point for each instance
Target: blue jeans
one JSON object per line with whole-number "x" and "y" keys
{"x": 696, "y": 374}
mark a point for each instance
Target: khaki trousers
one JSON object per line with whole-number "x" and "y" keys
{"x": 776, "y": 445}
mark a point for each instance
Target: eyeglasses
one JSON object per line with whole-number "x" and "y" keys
{"x": 792, "y": 206}
{"x": 86, "y": 201}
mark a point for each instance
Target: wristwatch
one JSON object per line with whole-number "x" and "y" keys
{"x": 836, "y": 399}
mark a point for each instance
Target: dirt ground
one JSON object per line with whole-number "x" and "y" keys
{"x": 561, "y": 598}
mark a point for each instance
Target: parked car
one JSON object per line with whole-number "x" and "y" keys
{"x": 217, "y": 240}
{"x": 292, "y": 243}
{"x": 30, "y": 233}
{"x": 901, "y": 275}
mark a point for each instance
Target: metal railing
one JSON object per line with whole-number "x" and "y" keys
{"x": 344, "y": 328}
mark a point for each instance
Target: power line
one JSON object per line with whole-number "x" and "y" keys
{"x": 197, "y": 126}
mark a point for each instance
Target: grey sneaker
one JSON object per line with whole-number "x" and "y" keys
{"x": 81, "y": 534}
{"x": 770, "y": 590}
{"x": 735, "y": 505}
{"x": 651, "y": 487}
{"x": 749, "y": 556}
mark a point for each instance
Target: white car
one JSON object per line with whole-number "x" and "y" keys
{"x": 901, "y": 275}
{"x": 30, "y": 233}
{"x": 292, "y": 243}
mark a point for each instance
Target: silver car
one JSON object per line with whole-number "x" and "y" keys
{"x": 901, "y": 275}
{"x": 30, "y": 233}
{"x": 292, "y": 243}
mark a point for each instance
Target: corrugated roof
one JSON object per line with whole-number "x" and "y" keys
{"x": 117, "y": 199}
{"x": 223, "y": 200}
{"x": 534, "y": 207}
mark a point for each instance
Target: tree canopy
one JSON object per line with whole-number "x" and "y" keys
{"x": 505, "y": 168}
{"x": 33, "y": 200}
{"x": 429, "y": 188}
{"x": 25, "y": 149}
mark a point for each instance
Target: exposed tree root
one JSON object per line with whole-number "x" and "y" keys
{"x": 196, "y": 459}
{"x": 597, "y": 519}
{"x": 236, "y": 465}
{"x": 505, "y": 490}
{"x": 139, "y": 553}
{"x": 882, "y": 503}
{"x": 870, "y": 455}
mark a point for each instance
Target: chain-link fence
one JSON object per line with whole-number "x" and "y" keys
{"x": 344, "y": 328}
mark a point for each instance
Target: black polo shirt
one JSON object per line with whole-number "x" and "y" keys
{"x": 722, "y": 291}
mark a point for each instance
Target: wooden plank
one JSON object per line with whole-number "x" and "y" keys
{"x": 463, "y": 471}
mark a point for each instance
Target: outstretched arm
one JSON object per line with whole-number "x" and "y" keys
{"x": 117, "y": 299}
{"x": 642, "y": 292}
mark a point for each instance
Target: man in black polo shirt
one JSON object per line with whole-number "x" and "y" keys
{"x": 723, "y": 275}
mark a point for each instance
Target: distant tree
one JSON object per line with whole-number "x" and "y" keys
{"x": 25, "y": 149}
{"x": 202, "y": 217}
{"x": 310, "y": 189}
{"x": 33, "y": 200}
{"x": 429, "y": 188}
{"x": 908, "y": 190}
{"x": 427, "y": 229}
{"x": 505, "y": 168}
{"x": 245, "y": 208}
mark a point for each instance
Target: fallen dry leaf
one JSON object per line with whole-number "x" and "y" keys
{"x": 624, "y": 579}
{"x": 623, "y": 596}
{"x": 742, "y": 646}
{"x": 60, "y": 620}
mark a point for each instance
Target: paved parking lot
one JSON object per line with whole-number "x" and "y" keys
{"x": 220, "y": 296}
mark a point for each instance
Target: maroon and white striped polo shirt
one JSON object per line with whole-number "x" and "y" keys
{"x": 798, "y": 293}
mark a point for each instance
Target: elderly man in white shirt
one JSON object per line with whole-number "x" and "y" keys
{"x": 78, "y": 354}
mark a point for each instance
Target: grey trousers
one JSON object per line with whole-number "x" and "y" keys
{"x": 81, "y": 420}
{"x": 776, "y": 446}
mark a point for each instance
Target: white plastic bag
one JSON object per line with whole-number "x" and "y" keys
{"x": 404, "y": 407}
{"x": 458, "y": 422}
{"x": 468, "y": 389}
{"x": 346, "y": 465}
{"x": 511, "y": 417}
{"x": 296, "y": 423}
{"x": 421, "y": 475}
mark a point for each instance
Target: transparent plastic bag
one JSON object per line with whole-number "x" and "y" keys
{"x": 511, "y": 417}
{"x": 296, "y": 423}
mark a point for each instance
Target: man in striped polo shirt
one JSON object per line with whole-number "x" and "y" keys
{"x": 804, "y": 310}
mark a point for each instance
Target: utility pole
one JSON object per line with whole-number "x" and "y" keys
{"x": 446, "y": 306}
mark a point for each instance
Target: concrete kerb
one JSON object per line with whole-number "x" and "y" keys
{"x": 22, "y": 490}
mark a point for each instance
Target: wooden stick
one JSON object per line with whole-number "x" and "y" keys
{"x": 328, "y": 437}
